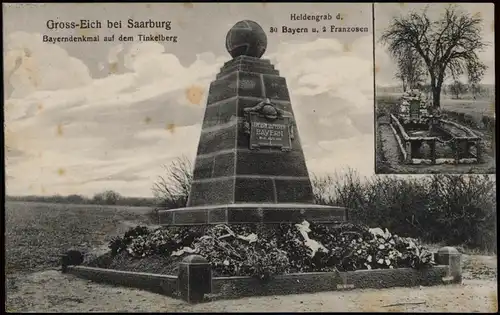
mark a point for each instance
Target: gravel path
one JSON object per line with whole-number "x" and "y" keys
{"x": 51, "y": 291}
{"x": 390, "y": 147}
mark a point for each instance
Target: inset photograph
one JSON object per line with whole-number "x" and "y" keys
{"x": 434, "y": 88}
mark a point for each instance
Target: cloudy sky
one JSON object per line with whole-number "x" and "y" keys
{"x": 84, "y": 117}
{"x": 384, "y": 12}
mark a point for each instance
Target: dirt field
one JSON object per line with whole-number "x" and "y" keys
{"x": 37, "y": 233}
{"x": 47, "y": 290}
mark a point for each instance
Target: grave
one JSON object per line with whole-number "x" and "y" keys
{"x": 415, "y": 127}
{"x": 250, "y": 167}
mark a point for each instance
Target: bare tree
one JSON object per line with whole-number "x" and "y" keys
{"x": 410, "y": 69}
{"x": 172, "y": 190}
{"x": 475, "y": 72}
{"x": 458, "y": 88}
{"x": 108, "y": 197}
{"x": 448, "y": 46}
{"x": 476, "y": 90}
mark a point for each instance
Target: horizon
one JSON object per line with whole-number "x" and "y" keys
{"x": 334, "y": 174}
{"x": 400, "y": 85}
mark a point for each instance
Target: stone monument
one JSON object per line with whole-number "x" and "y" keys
{"x": 249, "y": 167}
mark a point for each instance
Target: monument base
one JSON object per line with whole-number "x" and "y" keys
{"x": 253, "y": 213}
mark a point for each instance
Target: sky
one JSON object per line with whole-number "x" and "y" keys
{"x": 384, "y": 12}
{"x": 85, "y": 117}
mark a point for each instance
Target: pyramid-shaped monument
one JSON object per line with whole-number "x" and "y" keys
{"x": 249, "y": 167}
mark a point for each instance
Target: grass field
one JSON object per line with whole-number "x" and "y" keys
{"x": 484, "y": 106}
{"x": 37, "y": 233}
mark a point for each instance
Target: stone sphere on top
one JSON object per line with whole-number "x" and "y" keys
{"x": 246, "y": 38}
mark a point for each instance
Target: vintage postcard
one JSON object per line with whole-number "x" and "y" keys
{"x": 168, "y": 157}
{"x": 435, "y": 88}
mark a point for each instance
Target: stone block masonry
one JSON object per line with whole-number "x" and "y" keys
{"x": 226, "y": 169}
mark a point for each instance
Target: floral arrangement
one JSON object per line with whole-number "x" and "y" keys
{"x": 251, "y": 250}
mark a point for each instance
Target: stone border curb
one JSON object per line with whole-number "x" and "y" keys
{"x": 192, "y": 290}
{"x": 232, "y": 287}
{"x": 163, "y": 284}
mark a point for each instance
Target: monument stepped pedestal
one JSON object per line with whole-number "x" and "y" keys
{"x": 250, "y": 167}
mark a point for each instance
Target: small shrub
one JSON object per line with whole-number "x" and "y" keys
{"x": 74, "y": 257}
{"x": 71, "y": 258}
{"x": 386, "y": 105}
{"x": 118, "y": 244}
{"x": 172, "y": 191}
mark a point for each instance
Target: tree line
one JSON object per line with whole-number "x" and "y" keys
{"x": 108, "y": 197}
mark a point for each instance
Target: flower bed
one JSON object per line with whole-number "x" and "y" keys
{"x": 264, "y": 251}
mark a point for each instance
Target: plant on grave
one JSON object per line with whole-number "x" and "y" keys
{"x": 117, "y": 244}
{"x": 354, "y": 247}
{"x": 346, "y": 244}
{"x": 240, "y": 254}
{"x": 238, "y": 250}
{"x": 164, "y": 241}
{"x": 412, "y": 253}
{"x": 300, "y": 257}
{"x": 141, "y": 241}
{"x": 267, "y": 260}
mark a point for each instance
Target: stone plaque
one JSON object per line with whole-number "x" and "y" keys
{"x": 270, "y": 133}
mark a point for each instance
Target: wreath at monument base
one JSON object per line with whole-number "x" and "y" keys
{"x": 248, "y": 250}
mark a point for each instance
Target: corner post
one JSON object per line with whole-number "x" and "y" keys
{"x": 451, "y": 257}
{"x": 194, "y": 278}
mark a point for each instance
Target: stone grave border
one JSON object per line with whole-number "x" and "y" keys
{"x": 447, "y": 271}
{"x": 406, "y": 144}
